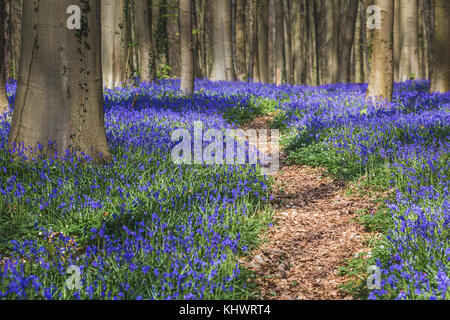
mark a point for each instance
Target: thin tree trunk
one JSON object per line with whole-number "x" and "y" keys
{"x": 357, "y": 49}
{"x": 144, "y": 35}
{"x": 297, "y": 33}
{"x": 409, "y": 54}
{"x": 16, "y": 32}
{"x": 218, "y": 69}
{"x": 107, "y": 20}
{"x": 263, "y": 40}
{"x": 187, "y": 54}
{"x": 348, "y": 31}
{"x": 3, "y": 97}
{"x": 332, "y": 42}
{"x": 279, "y": 41}
{"x": 241, "y": 54}
{"x": 397, "y": 40}
{"x": 317, "y": 42}
{"x": 381, "y": 75}
{"x": 227, "y": 40}
{"x": 286, "y": 6}
{"x": 440, "y": 80}
{"x": 59, "y": 91}
{"x": 120, "y": 43}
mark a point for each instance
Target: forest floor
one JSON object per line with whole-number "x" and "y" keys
{"x": 315, "y": 231}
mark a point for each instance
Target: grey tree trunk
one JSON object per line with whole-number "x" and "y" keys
{"x": 187, "y": 52}
{"x": 144, "y": 35}
{"x": 241, "y": 54}
{"x": 120, "y": 43}
{"x": 332, "y": 41}
{"x": 381, "y": 74}
{"x": 409, "y": 54}
{"x": 440, "y": 79}
{"x": 263, "y": 40}
{"x": 59, "y": 91}
{"x": 288, "y": 54}
{"x": 114, "y": 42}
{"x": 297, "y": 34}
{"x": 223, "y": 67}
{"x": 279, "y": 41}
{"x": 3, "y": 97}
{"x": 347, "y": 28}
{"x": 397, "y": 40}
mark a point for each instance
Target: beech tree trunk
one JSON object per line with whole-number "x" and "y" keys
{"x": 263, "y": 40}
{"x": 288, "y": 54}
{"x": 59, "y": 91}
{"x": 297, "y": 34}
{"x": 114, "y": 42}
{"x": 279, "y": 41}
{"x": 241, "y": 54}
{"x": 347, "y": 27}
{"x": 144, "y": 36}
{"x": 223, "y": 68}
{"x": 332, "y": 41}
{"x": 3, "y": 97}
{"x": 381, "y": 69}
{"x": 440, "y": 80}
{"x": 409, "y": 54}
{"x": 397, "y": 40}
{"x": 187, "y": 53}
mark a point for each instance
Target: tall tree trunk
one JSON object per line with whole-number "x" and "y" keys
{"x": 228, "y": 42}
{"x": 173, "y": 33}
{"x": 409, "y": 54}
{"x": 289, "y": 61}
{"x": 107, "y": 34}
{"x": 440, "y": 79}
{"x": 160, "y": 10}
{"x": 3, "y": 97}
{"x": 187, "y": 54}
{"x": 120, "y": 43}
{"x": 254, "y": 62}
{"x": 381, "y": 75}
{"x": 279, "y": 41}
{"x": 317, "y": 46}
{"x": 297, "y": 34}
{"x": 16, "y": 31}
{"x": 332, "y": 41}
{"x": 263, "y": 39}
{"x": 348, "y": 31}
{"x": 144, "y": 35}
{"x": 59, "y": 91}
{"x": 397, "y": 40}
{"x": 223, "y": 67}
{"x": 241, "y": 54}
{"x": 357, "y": 49}
{"x": 114, "y": 42}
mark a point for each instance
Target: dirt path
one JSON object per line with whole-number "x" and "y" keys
{"x": 313, "y": 234}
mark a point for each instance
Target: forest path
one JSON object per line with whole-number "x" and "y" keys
{"x": 314, "y": 231}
